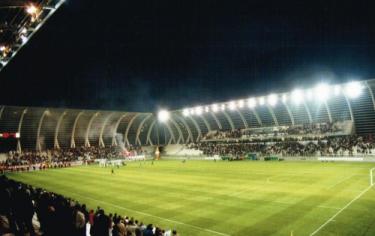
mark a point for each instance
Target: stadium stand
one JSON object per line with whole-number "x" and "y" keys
{"x": 25, "y": 210}
{"x": 347, "y": 109}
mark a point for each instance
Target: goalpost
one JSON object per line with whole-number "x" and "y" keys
{"x": 372, "y": 175}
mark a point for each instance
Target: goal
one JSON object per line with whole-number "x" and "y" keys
{"x": 372, "y": 176}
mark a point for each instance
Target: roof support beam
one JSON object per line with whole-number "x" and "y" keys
{"x": 114, "y": 141}
{"x": 1, "y": 111}
{"x": 19, "y": 148}
{"x": 290, "y": 113}
{"x": 257, "y": 116}
{"x": 178, "y": 130}
{"x": 371, "y": 93}
{"x": 328, "y": 111}
{"x": 72, "y": 141}
{"x": 190, "y": 137}
{"x": 308, "y": 112}
{"x": 55, "y": 139}
{"x": 275, "y": 121}
{"x": 216, "y": 120}
{"x": 243, "y": 119}
{"x": 229, "y": 120}
{"x": 126, "y": 140}
{"x": 87, "y": 141}
{"x": 38, "y": 145}
{"x": 149, "y": 133}
{"x": 139, "y": 129}
{"x": 197, "y": 128}
{"x": 101, "y": 141}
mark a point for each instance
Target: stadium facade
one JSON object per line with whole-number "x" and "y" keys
{"x": 44, "y": 128}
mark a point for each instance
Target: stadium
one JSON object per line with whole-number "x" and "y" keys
{"x": 295, "y": 162}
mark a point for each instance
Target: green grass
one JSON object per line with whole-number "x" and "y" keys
{"x": 226, "y": 198}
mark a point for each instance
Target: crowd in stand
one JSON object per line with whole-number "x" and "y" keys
{"x": 327, "y": 146}
{"x": 276, "y": 131}
{"x": 25, "y": 210}
{"x": 64, "y": 157}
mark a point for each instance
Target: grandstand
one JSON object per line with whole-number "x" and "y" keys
{"x": 218, "y": 196}
{"x": 349, "y": 107}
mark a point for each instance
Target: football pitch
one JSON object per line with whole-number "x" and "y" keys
{"x": 226, "y": 198}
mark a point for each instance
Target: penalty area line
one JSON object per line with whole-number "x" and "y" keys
{"x": 147, "y": 214}
{"x": 341, "y": 210}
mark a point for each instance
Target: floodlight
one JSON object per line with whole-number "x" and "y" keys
{"x": 222, "y": 107}
{"x": 163, "y": 116}
{"x": 31, "y": 9}
{"x": 322, "y": 92}
{"x": 198, "y": 110}
{"x": 3, "y": 48}
{"x": 192, "y": 111}
{"x": 23, "y": 39}
{"x": 215, "y": 108}
{"x": 284, "y": 98}
{"x": 309, "y": 94}
{"x": 261, "y": 101}
{"x": 272, "y": 99}
{"x": 206, "y": 109}
{"x": 297, "y": 96}
{"x": 240, "y": 103}
{"x": 337, "y": 90}
{"x": 185, "y": 112}
{"x": 232, "y": 106}
{"x": 251, "y": 102}
{"x": 353, "y": 89}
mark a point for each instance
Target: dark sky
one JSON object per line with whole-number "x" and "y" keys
{"x": 141, "y": 55}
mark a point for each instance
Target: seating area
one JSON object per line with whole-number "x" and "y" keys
{"x": 273, "y": 132}
{"x": 327, "y": 146}
{"x": 25, "y": 210}
{"x": 54, "y": 158}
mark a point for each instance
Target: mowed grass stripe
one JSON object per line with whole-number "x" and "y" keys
{"x": 199, "y": 193}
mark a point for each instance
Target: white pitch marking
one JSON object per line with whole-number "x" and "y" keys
{"x": 341, "y": 210}
{"x": 147, "y": 214}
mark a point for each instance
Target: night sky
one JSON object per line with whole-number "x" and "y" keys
{"x": 143, "y": 55}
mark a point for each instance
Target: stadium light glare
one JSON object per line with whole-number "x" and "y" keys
{"x": 23, "y": 39}
{"x": 198, "y": 110}
{"x": 240, "y": 103}
{"x": 192, "y": 112}
{"x": 251, "y": 102}
{"x": 206, "y": 109}
{"x": 222, "y": 107}
{"x": 215, "y": 107}
{"x": 309, "y": 94}
{"x": 353, "y": 89}
{"x": 232, "y": 106}
{"x": 337, "y": 90}
{"x": 261, "y": 101}
{"x": 185, "y": 112}
{"x": 163, "y": 116}
{"x": 297, "y": 96}
{"x": 284, "y": 98}
{"x": 272, "y": 99}
{"x": 322, "y": 91}
{"x": 31, "y": 9}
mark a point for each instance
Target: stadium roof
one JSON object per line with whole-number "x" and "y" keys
{"x": 41, "y": 128}
{"x": 19, "y": 21}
